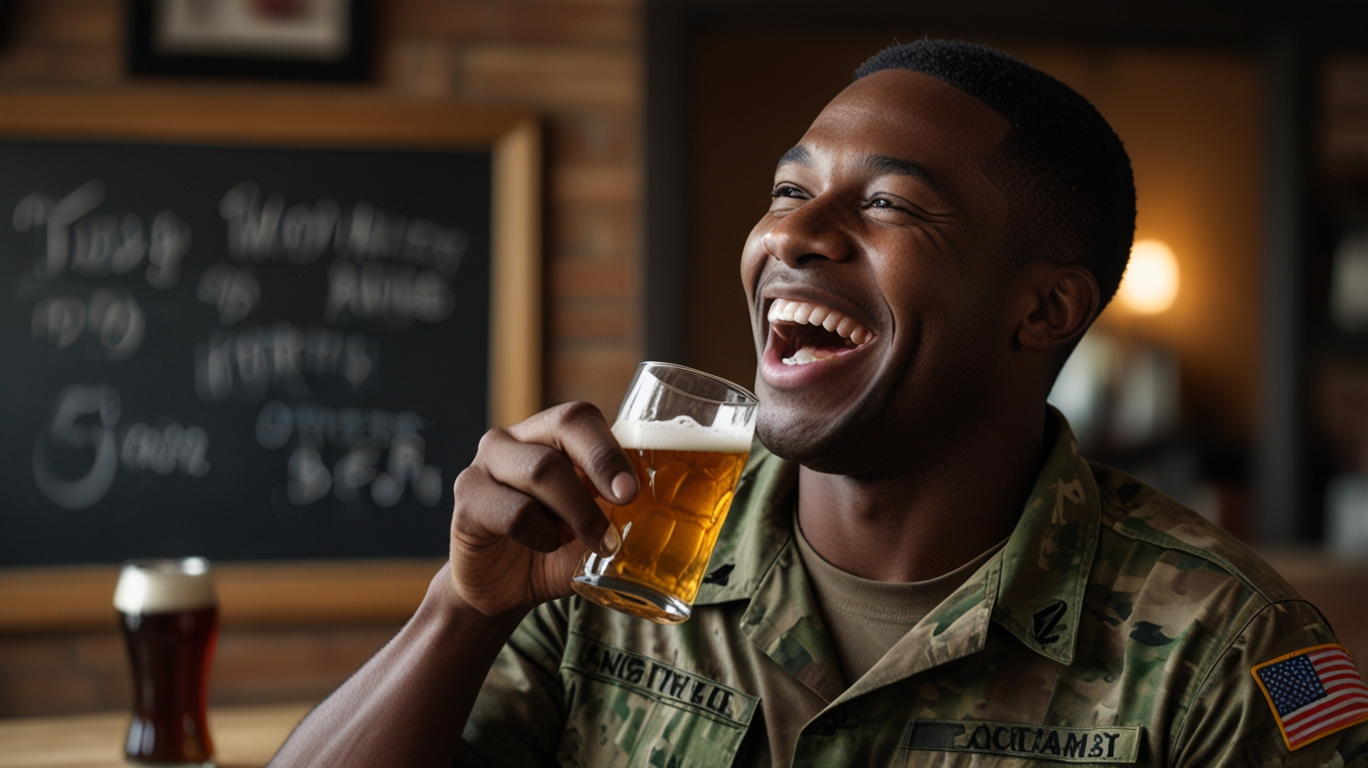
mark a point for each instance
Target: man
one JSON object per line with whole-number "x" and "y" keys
{"x": 930, "y": 575}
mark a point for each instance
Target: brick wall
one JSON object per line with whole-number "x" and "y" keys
{"x": 576, "y": 63}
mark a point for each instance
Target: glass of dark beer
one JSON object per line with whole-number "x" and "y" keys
{"x": 169, "y": 615}
{"x": 687, "y": 434}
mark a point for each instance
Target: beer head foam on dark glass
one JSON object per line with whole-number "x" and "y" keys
{"x": 164, "y": 586}
{"x": 1065, "y": 174}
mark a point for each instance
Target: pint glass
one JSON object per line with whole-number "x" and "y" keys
{"x": 169, "y": 616}
{"x": 687, "y": 434}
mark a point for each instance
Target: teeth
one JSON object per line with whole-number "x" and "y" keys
{"x": 809, "y": 313}
{"x": 808, "y": 355}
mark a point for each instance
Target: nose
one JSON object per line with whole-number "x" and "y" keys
{"x": 811, "y": 232}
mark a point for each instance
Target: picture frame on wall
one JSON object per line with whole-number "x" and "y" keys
{"x": 301, "y": 39}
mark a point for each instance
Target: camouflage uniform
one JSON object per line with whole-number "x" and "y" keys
{"x": 1115, "y": 627}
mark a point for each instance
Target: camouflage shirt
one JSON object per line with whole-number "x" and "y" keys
{"x": 1115, "y": 627}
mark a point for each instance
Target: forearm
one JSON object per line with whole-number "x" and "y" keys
{"x": 409, "y": 703}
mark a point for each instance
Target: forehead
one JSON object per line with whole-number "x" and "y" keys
{"x": 907, "y": 115}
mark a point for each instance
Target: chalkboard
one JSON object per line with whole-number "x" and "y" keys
{"x": 247, "y": 352}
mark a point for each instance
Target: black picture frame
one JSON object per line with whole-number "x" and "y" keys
{"x": 144, "y": 58}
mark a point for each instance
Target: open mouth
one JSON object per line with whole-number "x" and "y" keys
{"x": 809, "y": 332}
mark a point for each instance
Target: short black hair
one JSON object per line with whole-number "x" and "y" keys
{"x": 1062, "y": 168}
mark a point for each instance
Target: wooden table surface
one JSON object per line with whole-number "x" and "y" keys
{"x": 244, "y": 737}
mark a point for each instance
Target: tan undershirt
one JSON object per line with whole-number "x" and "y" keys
{"x": 865, "y": 618}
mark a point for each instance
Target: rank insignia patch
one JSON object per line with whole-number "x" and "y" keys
{"x": 1314, "y": 692}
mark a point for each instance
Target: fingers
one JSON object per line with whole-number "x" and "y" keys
{"x": 505, "y": 512}
{"x": 580, "y": 432}
{"x": 529, "y": 481}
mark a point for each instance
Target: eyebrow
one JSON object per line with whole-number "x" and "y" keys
{"x": 797, "y": 154}
{"x": 886, "y": 164}
{"x": 880, "y": 164}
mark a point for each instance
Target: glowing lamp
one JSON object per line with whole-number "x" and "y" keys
{"x": 1151, "y": 281}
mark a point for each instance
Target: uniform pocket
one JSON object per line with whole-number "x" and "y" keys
{"x": 627, "y": 709}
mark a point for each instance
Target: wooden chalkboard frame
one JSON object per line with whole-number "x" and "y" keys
{"x": 309, "y": 592}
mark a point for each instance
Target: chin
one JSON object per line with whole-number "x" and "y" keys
{"x": 820, "y": 443}
{"x": 787, "y": 444}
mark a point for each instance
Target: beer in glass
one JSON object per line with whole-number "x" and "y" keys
{"x": 169, "y": 616}
{"x": 687, "y": 434}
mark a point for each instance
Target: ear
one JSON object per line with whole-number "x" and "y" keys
{"x": 1061, "y": 303}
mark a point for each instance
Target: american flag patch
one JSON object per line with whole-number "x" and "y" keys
{"x": 1313, "y": 692}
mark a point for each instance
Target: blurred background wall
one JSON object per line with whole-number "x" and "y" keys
{"x": 1248, "y": 129}
{"x": 577, "y": 65}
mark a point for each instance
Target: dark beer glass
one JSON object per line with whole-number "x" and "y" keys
{"x": 169, "y": 616}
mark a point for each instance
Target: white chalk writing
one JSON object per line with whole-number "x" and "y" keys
{"x": 398, "y": 294}
{"x": 363, "y": 435}
{"x": 115, "y": 320}
{"x": 266, "y": 230}
{"x": 309, "y": 477}
{"x": 249, "y": 363}
{"x": 85, "y": 422}
{"x": 234, "y": 291}
{"x": 164, "y": 449}
{"x": 85, "y": 416}
{"x": 320, "y": 425}
{"x": 107, "y": 244}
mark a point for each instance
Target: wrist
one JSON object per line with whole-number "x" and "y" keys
{"x": 444, "y": 606}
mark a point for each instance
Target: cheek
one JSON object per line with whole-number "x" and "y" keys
{"x": 919, "y": 281}
{"x": 753, "y": 259}
{"x": 943, "y": 302}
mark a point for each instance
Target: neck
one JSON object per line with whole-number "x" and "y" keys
{"x": 926, "y": 518}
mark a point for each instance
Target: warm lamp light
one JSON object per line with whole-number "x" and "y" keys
{"x": 1151, "y": 281}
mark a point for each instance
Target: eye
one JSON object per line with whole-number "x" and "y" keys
{"x": 892, "y": 208}
{"x": 883, "y": 202}
{"x": 785, "y": 198}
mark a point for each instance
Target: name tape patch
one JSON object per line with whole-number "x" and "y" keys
{"x": 1115, "y": 744}
{"x": 658, "y": 680}
{"x": 1313, "y": 692}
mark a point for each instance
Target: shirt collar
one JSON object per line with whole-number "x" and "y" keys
{"x": 1046, "y": 562}
{"x": 1033, "y": 588}
{"x": 756, "y": 530}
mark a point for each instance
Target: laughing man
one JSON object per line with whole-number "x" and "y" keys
{"x": 919, "y": 568}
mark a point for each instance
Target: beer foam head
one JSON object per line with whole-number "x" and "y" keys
{"x": 682, "y": 434}
{"x": 163, "y": 586}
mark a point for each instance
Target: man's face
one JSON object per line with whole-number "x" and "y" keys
{"x": 877, "y": 280}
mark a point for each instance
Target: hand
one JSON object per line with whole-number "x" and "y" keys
{"x": 525, "y": 510}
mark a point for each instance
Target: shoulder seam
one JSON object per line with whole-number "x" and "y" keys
{"x": 1171, "y": 542}
{"x": 1226, "y": 643}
